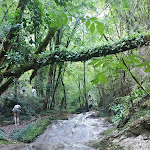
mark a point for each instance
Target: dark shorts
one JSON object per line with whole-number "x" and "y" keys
{"x": 16, "y": 110}
{"x": 90, "y": 106}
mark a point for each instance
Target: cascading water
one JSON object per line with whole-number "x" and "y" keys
{"x": 72, "y": 134}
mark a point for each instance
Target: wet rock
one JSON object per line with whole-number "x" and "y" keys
{"x": 135, "y": 143}
{"x": 48, "y": 146}
{"x": 115, "y": 133}
{"x": 92, "y": 115}
{"x": 15, "y": 147}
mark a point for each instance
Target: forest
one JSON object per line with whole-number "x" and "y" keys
{"x": 55, "y": 53}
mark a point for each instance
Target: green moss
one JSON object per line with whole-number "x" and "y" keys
{"x": 31, "y": 131}
{"x": 145, "y": 105}
{"x": 106, "y": 144}
{"x": 7, "y": 142}
{"x": 109, "y": 131}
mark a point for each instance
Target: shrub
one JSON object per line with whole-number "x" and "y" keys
{"x": 119, "y": 112}
{"x": 2, "y": 135}
{"x": 29, "y": 106}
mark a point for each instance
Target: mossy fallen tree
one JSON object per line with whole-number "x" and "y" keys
{"x": 109, "y": 49}
{"x": 62, "y": 56}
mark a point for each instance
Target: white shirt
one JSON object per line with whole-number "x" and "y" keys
{"x": 34, "y": 93}
{"x": 91, "y": 102}
{"x": 17, "y": 106}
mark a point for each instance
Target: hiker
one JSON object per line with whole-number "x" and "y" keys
{"x": 34, "y": 92}
{"x": 16, "y": 110}
{"x": 91, "y": 102}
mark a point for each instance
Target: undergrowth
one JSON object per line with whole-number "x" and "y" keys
{"x": 31, "y": 131}
{"x": 2, "y": 136}
{"x": 106, "y": 144}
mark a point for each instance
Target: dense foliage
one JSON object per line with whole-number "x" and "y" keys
{"x": 67, "y": 50}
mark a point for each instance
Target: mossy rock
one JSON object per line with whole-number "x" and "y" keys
{"x": 105, "y": 144}
{"x": 145, "y": 122}
{"x": 146, "y": 105}
{"x": 139, "y": 127}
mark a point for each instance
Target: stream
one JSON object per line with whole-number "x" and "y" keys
{"x": 74, "y": 133}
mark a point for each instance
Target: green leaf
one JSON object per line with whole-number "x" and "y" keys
{"x": 92, "y": 27}
{"x": 65, "y": 21}
{"x": 133, "y": 59}
{"x": 59, "y": 23}
{"x": 93, "y": 62}
{"x": 100, "y": 27}
{"x": 94, "y": 19}
{"x": 95, "y": 80}
{"x": 108, "y": 58}
{"x": 53, "y": 24}
{"x": 147, "y": 69}
{"x": 104, "y": 65}
{"x": 70, "y": 4}
{"x": 64, "y": 17}
{"x": 83, "y": 20}
{"x": 87, "y": 23}
{"x": 128, "y": 61}
{"x": 98, "y": 64}
{"x": 122, "y": 66}
{"x": 143, "y": 64}
{"x": 136, "y": 56}
{"x": 103, "y": 78}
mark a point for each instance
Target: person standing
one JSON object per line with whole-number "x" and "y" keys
{"x": 16, "y": 110}
{"x": 91, "y": 102}
{"x": 34, "y": 92}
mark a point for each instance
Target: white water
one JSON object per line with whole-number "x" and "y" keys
{"x": 72, "y": 134}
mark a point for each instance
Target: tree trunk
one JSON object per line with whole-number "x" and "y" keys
{"x": 79, "y": 86}
{"x": 52, "y": 103}
{"x": 100, "y": 103}
{"x": 64, "y": 100}
{"x": 85, "y": 96}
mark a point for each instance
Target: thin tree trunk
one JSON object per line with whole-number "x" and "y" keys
{"x": 15, "y": 89}
{"x": 79, "y": 86}
{"x": 64, "y": 100}
{"x": 100, "y": 103}
{"x": 85, "y": 97}
{"x": 103, "y": 93}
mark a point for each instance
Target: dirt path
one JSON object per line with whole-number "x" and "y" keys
{"x": 8, "y": 129}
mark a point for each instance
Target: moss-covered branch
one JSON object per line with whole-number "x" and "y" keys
{"x": 44, "y": 44}
{"x": 121, "y": 46}
{"x": 61, "y": 56}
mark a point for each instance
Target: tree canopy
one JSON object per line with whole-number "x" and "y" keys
{"x": 30, "y": 26}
